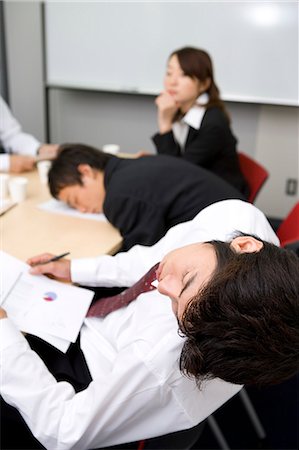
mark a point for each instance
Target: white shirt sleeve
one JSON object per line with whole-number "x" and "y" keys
{"x": 125, "y": 268}
{"x": 12, "y": 138}
{"x": 125, "y": 406}
{"x": 4, "y": 162}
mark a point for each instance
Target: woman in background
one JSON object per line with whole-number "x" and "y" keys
{"x": 193, "y": 122}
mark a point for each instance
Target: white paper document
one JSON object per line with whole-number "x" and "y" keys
{"x": 58, "y": 207}
{"x": 5, "y": 205}
{"x": 52, "y": 310}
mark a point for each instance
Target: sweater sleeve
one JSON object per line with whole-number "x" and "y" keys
{"x": 166, "y": 144}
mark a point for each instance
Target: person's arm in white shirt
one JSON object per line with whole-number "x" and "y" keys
{"x": 4, "y": 162}
{"x": 12, "y": 138}
{"x": 122, "y": 269}
{"x": 125, "y": 268}
{"x": 124, "y": 404}
{"x": 100, "y": 414}
{"x": 21, "y": 148}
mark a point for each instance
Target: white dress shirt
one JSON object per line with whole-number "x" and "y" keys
{"x": 192, "y": 118}
{"x": 137, "y": 390}
{"x": 12, "y": 138}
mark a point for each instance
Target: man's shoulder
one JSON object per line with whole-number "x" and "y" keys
{"x": 224, "y": 218}
{"x": 148, "y": 167}
{"x": 227, "y": 210}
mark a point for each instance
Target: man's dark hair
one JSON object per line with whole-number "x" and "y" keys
{"x": 243, "y": 326}
{"x": 64, "y": 169}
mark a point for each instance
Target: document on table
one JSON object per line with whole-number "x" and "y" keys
{"x": 52, "y": 310}
{"x": 5, "y": 205}
{"x": 56, "y": 206}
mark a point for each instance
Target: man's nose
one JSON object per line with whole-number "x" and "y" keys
{"x": 169, "y": 286}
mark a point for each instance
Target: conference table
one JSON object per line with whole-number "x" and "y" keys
{"x": 26, "y": 230}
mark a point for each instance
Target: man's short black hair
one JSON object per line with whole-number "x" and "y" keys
{"x": 243, "y": 326}
{"x": 64, "y": 170}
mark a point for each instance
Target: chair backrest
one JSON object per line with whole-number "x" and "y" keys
{"x": 179, "y": 440}
{"x": 254, "y": 173}
{"x": 288, "y": 230}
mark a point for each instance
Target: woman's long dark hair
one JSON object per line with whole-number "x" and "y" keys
{"x": 196, "y": 63}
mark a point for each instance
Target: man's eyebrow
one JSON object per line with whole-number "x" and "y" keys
{"x": 188, "y": 284}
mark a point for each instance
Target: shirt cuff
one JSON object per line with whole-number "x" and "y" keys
{"x": 84, "y": 270}
{"x": 4, "y": 162}
{"x": 102, "y": 271}
{"x": 9, "y": 334}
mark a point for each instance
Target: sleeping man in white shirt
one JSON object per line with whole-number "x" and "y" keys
{"x": 236, "y": 303}
{"x": 21, "y": 149}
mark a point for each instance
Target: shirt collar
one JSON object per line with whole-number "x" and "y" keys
{"x": 194, "y": 116}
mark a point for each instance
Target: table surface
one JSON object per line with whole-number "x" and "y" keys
{"x": 26, "y": 230}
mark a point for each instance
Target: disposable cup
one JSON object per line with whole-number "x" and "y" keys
{"x": 111, "y": 148}
{"x": 18, "y": 189}
{"x": 43, "y": 169}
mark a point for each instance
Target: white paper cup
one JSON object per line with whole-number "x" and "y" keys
{"x": 4, "y": 179}
{"x": 43, "y": 169}
{"x": 111, "y": 148}
{"x": 18, "y": 189}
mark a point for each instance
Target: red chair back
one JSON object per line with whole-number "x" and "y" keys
{"x": 288, "y": 230}
{"x": 254, "y": 173}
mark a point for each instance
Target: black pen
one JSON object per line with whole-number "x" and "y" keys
{"x": 55, "y": 258}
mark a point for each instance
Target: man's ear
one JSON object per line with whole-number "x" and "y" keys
{"x": 246, "y": 244}
{"x": 85, "y": 171}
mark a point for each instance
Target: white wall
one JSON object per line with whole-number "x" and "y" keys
{"x": 269, "y": 133}
{"x": 277, "y": 147}
{"x": 99, "y": 118}
{"x": 129, "y": 120}
{"x": 3, "y": 83}
{"x": 25, "y": 68}
{"x": 130, "y": 55}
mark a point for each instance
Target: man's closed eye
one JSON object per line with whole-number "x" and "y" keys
{"x": 188, "y": 284}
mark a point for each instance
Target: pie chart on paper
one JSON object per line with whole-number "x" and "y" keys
{"x": 49, "y": 296}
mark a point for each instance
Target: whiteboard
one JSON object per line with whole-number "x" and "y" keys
{"x": 124, "y": 46}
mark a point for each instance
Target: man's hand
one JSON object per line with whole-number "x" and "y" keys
{"x": 20, "y": 163}
{"x": 59, "y": 269}
{"x": 48, "y": 151}
{"x": 142, "y": 153}
{"x": 3, "y": 314}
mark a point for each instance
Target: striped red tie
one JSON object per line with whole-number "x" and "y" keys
{"x": 104, "y": 306}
